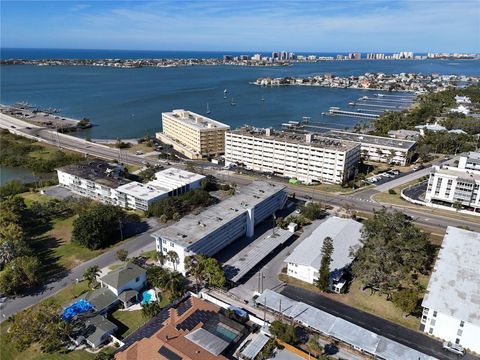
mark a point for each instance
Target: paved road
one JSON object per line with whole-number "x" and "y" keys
{"x": 410, "y": 338}
{"x": 422, "y": 216}
{"x": 143, "y": 242}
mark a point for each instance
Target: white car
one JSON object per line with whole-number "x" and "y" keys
{"x": 454, "y": 348}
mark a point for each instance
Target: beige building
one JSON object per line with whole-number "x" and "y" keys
{"x": 193, "y": 135}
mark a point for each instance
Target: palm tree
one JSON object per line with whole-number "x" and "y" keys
{"x": 91, "y": 275}
{"x": 161, "y": 257}
{"x": 176, "y": 284}
{"x": 149, "y": 310}
{"x": 194, "y": 267}
{"x": 172, "y": 256}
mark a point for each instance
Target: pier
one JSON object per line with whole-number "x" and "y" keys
{"x": 338, "y": 111}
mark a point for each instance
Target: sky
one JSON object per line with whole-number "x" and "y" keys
{"x": 244, "y": 25}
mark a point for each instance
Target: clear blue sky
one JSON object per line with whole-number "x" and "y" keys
{"x": 229, "y": 25}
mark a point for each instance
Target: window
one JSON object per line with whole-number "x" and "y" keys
{"x": 433, "y": 322}
{"x": 435, "y": 313}
{"x": 172, "y": 244}
{"x": 137, "y": 279}
{"x": 459, "y": 332}
{"x": 462, "y": 323}
{"x": 430, "y": 331}
{"x": 164, "y": 241}
{"x": 457, "y": 341}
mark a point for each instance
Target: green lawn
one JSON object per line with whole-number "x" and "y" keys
{"x": 127, "y": 321}
{"x": 34, "y": 196}
{"x": 8, "y": 352}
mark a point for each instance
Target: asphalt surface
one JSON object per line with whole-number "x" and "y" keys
{"x": 415, "y": 192}
{"x": 410, "y": 338}
{"x": 134, "y": 245}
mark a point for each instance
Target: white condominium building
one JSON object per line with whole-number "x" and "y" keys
{"x": 193, "y": 135}
{"x": 308, "y": 158}
{"x": 379, "y": 148}
{"x": 219, "y": 225}
{"x": 106, "y": 182}
{"x": 450, "y": 185}
{"x": 451, "y": 306}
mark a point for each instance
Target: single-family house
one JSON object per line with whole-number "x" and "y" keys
{"x": 95, "y": 331}
{"x": 127, "y": 277}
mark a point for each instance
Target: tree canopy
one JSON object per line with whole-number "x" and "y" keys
{"x": 98, "y": 226}
{"x": 323, "y": 280}
{"x": 393, "y": 252}
{"x": 39, "y": 324}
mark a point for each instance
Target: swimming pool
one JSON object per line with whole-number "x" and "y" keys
{"x": 148, "y": 296}
{"x": 224, "y": 332}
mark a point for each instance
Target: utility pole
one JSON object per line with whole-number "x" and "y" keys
{"x": 121, "y": 229}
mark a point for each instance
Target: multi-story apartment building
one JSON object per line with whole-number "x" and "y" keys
{"x": 304, "y": 262}
{"x": 308, "y": 158}
{"x": 193, "y": 135}
{"x": 106, "y": 182}
{"x": 451, "y": 306}
{"x": 460, "y": 185}
{"x": 219, "y": 225}
{"x": 379, "y": 148}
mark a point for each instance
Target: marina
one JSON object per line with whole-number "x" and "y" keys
{"x": 372, "y": 107}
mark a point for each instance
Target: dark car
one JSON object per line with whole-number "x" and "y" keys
{"x": 330, "y": 349}
{"x": 308, "y": 197}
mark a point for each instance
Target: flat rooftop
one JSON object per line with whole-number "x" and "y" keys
{"x": 293, "y": 138}
{"x": 464, "y": 174}
{"x": 344, "y": 233}
{"x": 193, "y": 228}
{"x": 99, "y": 171}
{"x": 141, "y": 191}
{"x": 173, "y": 178}
{"x": 240, "y": 264}
{"x": 196, "y": 121}
{"x": 371, "y": 139}
{"x": 454, "y": 287}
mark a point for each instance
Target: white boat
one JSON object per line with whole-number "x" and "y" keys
{"x": 232, "y": 102}
{"x": 208, "y": 109}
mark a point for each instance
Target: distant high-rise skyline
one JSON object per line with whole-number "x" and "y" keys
{"x": 308, "y": 26}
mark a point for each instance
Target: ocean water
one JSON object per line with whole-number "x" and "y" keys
{"x": 128, "y": 103}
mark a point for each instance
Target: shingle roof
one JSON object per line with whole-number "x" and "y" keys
{"x": 344, "y": 233}
{"x": 122, "y": 275}
{"x": 102, "y": 326}
{"x": 454, "y": 287}
{"x": 127, "y": 295}
{"x": 99, "y": 298}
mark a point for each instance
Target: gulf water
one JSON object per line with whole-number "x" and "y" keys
{"x": 127, "y": 103}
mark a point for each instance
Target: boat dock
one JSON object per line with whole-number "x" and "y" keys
{"x": 338, "y": 111}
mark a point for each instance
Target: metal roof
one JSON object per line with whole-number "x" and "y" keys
{"x": 339, "y": 328}
{"x": 255, "y": 346}
{"x": 239, "y": 265}
{"x": 454, "y": 287}
{"x": 345, "y": 233}
{"x": 207, "y": 341}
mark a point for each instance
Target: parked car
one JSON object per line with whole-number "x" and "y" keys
{"x": 308, "y": 197}
{"x": 139, "y": 152}
{"x": 394, "y": 172}
{"x": 330, "y": 349}
{"x": 454, "y": 348}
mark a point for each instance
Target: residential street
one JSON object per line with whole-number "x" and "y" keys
{"x": 142, "y": 242}
{"x": 413, "y": 339}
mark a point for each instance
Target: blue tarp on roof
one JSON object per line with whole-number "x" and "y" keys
{"x": 78, "y": 307}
